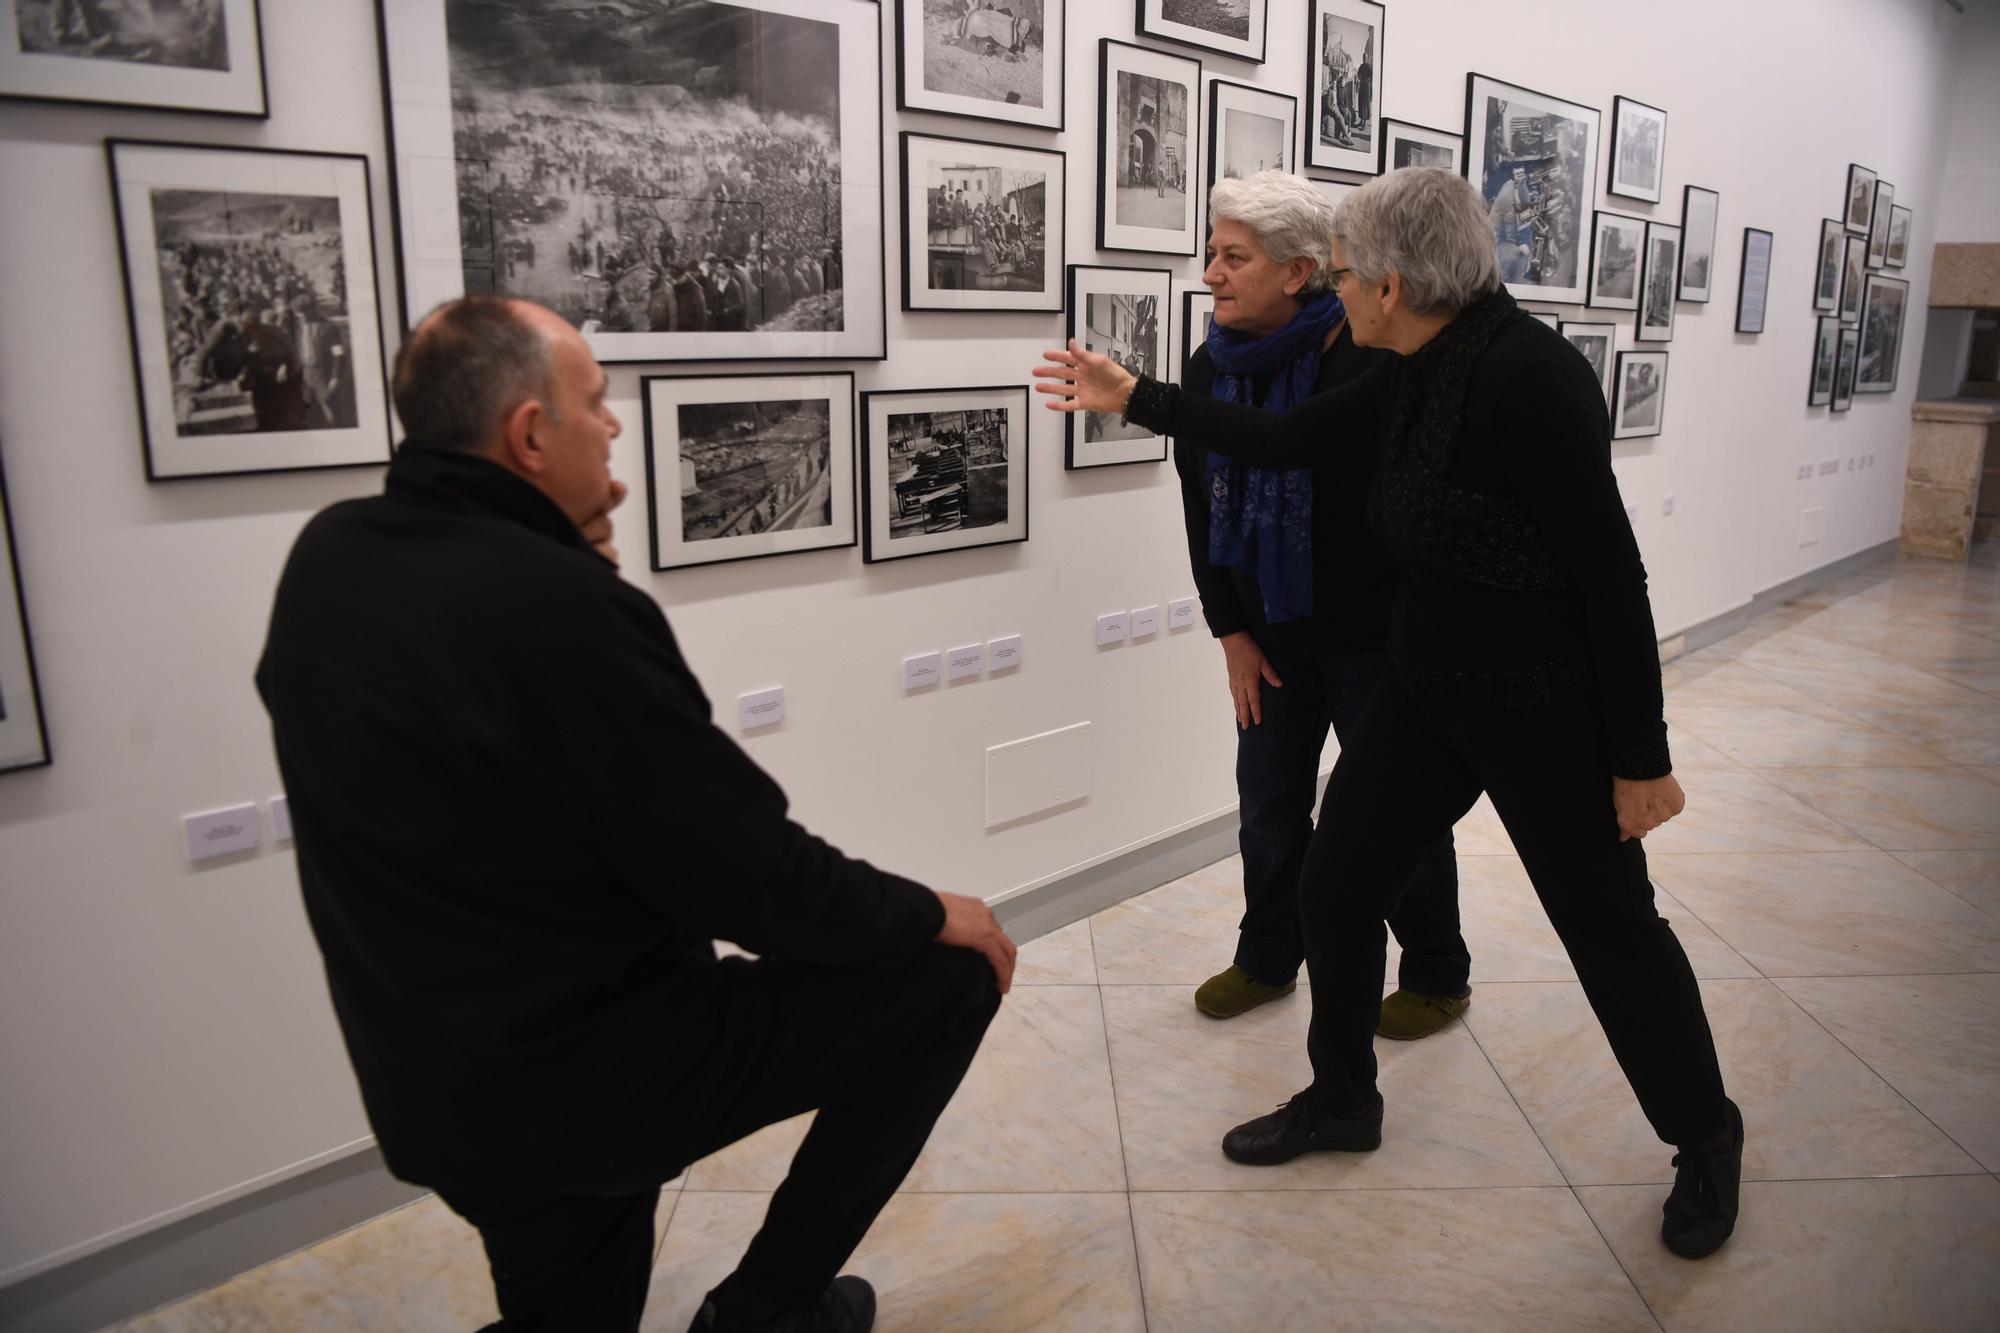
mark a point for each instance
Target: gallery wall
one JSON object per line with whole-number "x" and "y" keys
{"x": 1969, "y": 200}
{"x": 165, "y": 1030}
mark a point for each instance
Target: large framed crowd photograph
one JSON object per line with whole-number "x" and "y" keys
{"x": 1700, "y": 210}
{"x": 1640, "y": 408}
{"x": 1826, "y": 272}
{"x": 699, "y": 181}
{"x": 1197, "y": 308}
{"x": 1148, "y": 150}
{"x": 982, "y": 225}
{"x": 1882, "y": 312}
{"x": 1638, "y": 150}
{"x": 250, "y": 293}
{"x": 24, "y": 736}
{"x": 1598, "y": 342}
{"x": 1878, "y": 225}
{"x": 743, "y": 466}
{"x": 1344, "y": 85}
{"x": 1120, "y": 313}
{"x": 1753, "y": 280}
{"x": 1859, "y": 210}
{"x": 1234, "y": 28}
{"x": 943, "y": 470}
{"x": 1533, "y": 159}
{"x": 182, "y": 55}
{"x": 988, "y": 61}
{"x": 1826, "y": 351}
{"x": 1408, "y": 145}
{"x": 1250, "y": 130}
{"x": 1617, "y": 244}
{"x": 1656, "y": 283}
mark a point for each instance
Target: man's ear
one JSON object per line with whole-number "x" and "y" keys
{"x": 518, "y": 446}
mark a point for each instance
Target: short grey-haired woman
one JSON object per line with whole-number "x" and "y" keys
{"x": 1523, "y": 664}
{"x": 1297, "y": 591}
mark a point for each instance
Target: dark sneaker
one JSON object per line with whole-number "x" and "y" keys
{"x": 1701, "y": 1211}
{"x": 1233, "y": 991}
{"x": 846, "y": 1306}
{"x": 1292, "y": 1129}
{"x": 1408, "y": 1016}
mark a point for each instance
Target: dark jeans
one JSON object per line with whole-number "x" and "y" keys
{"x": 1277, "y": 777}
{"x": 877, "y": 1052}
{"x": 1414, "y": 766}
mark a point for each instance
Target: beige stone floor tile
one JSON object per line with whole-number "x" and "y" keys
{"x": 1981, "y": 674}
{"x": 1721, "y": 682}
{"x": 1973, "y": 876}
{"x": 1958, "y": 733}
{"x": 419, "y": 1268}
{"x": 1934, "y": 1039}
{"x": 938, "y": 1262}
{"x": 1183, "y": 1080}
{"x": 1690, "y": 752}
{"x": 1904, "y": 638}
{"x": 1489, "y": 1259}
{"x": 1794, "y": 738}
{"x": 1808, "y": 914}
{"x": 1481, "y": 833}
{"x": 1060, "y": 958}
{"x": 1181, "y": 933}
{"x": 1853, "y": 686}
{"x": 1035, "y": 1112}
{"x": 1898, "y": 809}
{"x": 1991, "y": 772}
{"x": 224, "y": 1310}
{"x": 1811, "y": 1109}
{"x": 1735, "y": 810}
{"x": 1796, "y": 644}
{"x": 1824, "y": 1255}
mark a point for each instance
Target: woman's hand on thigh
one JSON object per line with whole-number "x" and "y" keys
{"x": 1248, "y": 670}
{"x": 1644, "y": 806}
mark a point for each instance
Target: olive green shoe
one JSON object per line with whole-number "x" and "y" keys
{"x": 1233, "y": 991}
{"x": 1406, "y": 1015}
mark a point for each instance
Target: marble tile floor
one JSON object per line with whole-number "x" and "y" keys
{"x": 1836, "y": 882}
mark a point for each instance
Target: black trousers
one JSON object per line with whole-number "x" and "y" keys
{"x": 1414, "y": 767}
{"x": 1277, "y": 780}
{"x": 878, "y": 1053}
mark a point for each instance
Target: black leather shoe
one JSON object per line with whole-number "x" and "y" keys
{"x": 846, "y": 1306}
{"x": 1293, "y": 1129}
{"x": 1701, "y": 1211}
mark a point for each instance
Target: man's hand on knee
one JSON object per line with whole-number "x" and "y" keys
{"x": 970, "y": 924}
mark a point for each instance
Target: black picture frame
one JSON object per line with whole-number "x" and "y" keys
{"x": 1197, "y": 305}
{"x": 1611, "y": 239}
{"x": 1753, "y": 280}
{"x": 660, "y": 261}
{"x": 1846, "y": 363}
{"x": 1639, "y": 406}
{"x": 1324, "y": 151}
{"x": 1248, "y": 97}
{"x": 983, "y": 251}
{"x": 1596, "y": 341}
{"x": 1885, "y": 311}
{"x": 1857, "y": 211}
{"x": 1826, "y": 358}
{"x": 1152, "y": 21}
{"x": 24, "y": 730}
{"x": 789, "y": 496}
{"x": 1123, "y": 179}
{"x": 1853, "y": 273}
{"x": 1397, "y": 132}
{"x": 1827, "y": 267}
{"x": 913, "y": 86}
{"x": 103, "y": 70}
{"x": 1534, "y": 265}
{"x": 949, "y": 497}
{"x": 1654, "y": 322}
{"x": 1701, "y": 215}
{"x": 1901, "y": 220}
{"x": 298, "y": 386}
{"x": 1878, "y": 225}
{"x": 1137, "y": 339}
{"x": 1637, "y": 175}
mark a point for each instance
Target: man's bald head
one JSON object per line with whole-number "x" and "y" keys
{"x": 469, "y": 363}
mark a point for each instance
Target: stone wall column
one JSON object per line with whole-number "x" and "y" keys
{"x": 1948, "y": 453}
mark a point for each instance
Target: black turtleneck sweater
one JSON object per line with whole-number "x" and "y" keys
{"x": 518, "y": 833}
{"x": 1492, "y": 486}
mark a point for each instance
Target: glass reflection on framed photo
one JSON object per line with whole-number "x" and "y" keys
{"x": 943, "y": 470}
{"x": 1617, "y": 248}
{"x": 1148, "y": 150}
{"x": 1883, "y": 309}
{"x": 1846, "y": 361}
{"x": 1533, "y": 159}
{"x": 982, "y": 225}
{"x": 170, "y": 55}
{"x": 742, "y": 466}
{"x": 1699, "y": 212}
{"x": 1826, "y": 272}
{"x": 1344, "y": 85}
{"x": 1638, "y": 149}
{"x": 1197, "y": 308}
{"x": 24, "y": 738}
{"x": 1408, "y": 145}
{"x": 1120, "y": 313}
{"x": 1233, "y": 28}
{"x": 1597, "y": 342}
{"x": 987, "y": 61}
{"x": 1656, "y": 283}
{"x": 1826, "y": 354}
{"x": 1899, "y": 236}
{"x": 1753, "y": 283}
{"x": 1640, "y": 408}
{"x": 250, "y": 295}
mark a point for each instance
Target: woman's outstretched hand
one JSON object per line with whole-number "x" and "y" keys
{"x": 1080, "y": 381}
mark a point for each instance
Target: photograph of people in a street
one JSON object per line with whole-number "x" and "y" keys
{"x": 1149, "y": 138}
{"x": 1125, "y": 327}
{"x": 753, "y": 467}
{"x": 1534, "y": 160}
{"x": 181, "y": 34}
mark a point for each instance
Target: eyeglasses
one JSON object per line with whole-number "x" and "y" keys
{"x": 1337, "y": 274}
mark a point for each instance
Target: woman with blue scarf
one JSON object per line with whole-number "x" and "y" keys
{"x": 1298, "y": 592}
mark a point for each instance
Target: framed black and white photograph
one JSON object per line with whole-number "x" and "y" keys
{"x": 1120, "y": 313}
{"x": 1640, "y": 406}
{"x": 1344, "y": 85}
{"x": 943, "y": 470}
{"x": 1826, "y": 272}
{"x": 1197, "y": 308}
{"x": 1853, "y": 268}
{"x": 1638, "y": 150}
{"x": 1859, "y": 210}
{"x": 1656, "y": 283}
{"x": 1846, "y": 362}
{"x": 1899, "y": 236}
{"x": 1700, "y": 209}
{"x": 991, "y": 61}
{"x": 1617, "y": 247}
{"x": 1878, "y": 225}
{"x": 250, "y": 294}
{"x": 1250, "y": 130}
{"x": 982, "y": 225}
{"x": 1335, "y": 191}
{"x": 1547, "y": 318}
{"x": 1598, "y": 342}
{"x": 1533, "y": 159}
{"x": 1148, "y": 150}
{"x": 1233, "y": 28}
{"x": 693, "y": 182}
{"x": 743, "y": 466}
{"x": 1408, "y": 145}
{"x": 1882, "y": 313}
{"x": 1753, "y": 282}
{"x": 1826, "y": 353}
{"x": 24, "y": 736}
{"x": 170, "y": 55}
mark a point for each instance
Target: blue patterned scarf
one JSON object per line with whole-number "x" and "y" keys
{"x": 1260, "y": 519}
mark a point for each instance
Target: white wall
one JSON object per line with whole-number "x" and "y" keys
{"x": 165, "y": 1034}
{"x": 1969, "y": 203}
